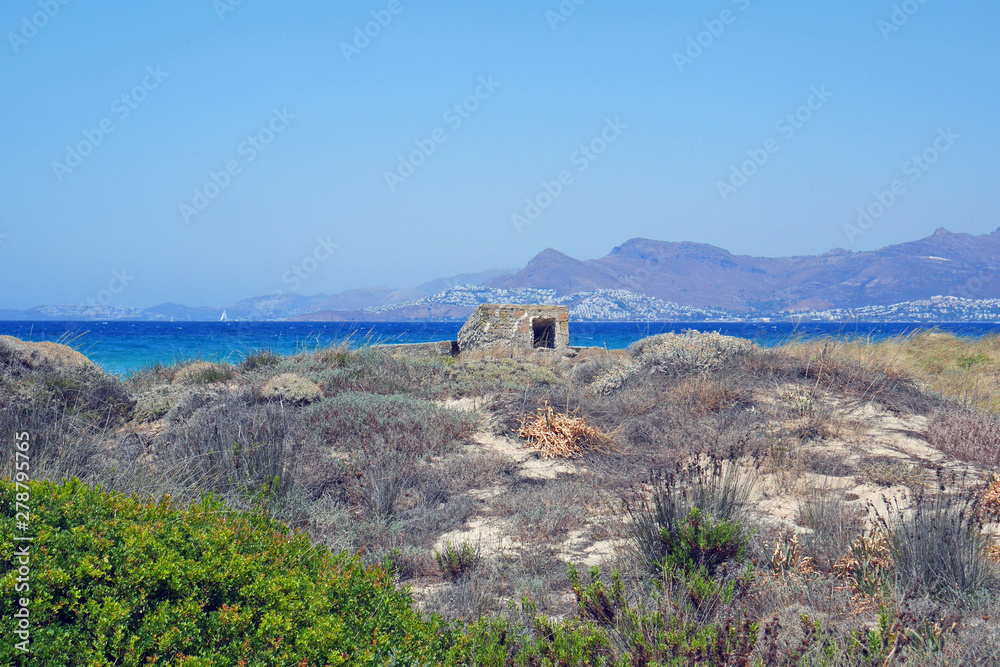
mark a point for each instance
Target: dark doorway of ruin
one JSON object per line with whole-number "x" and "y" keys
{"x": 545, "y": 332}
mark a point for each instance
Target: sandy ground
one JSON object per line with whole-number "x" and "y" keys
{"x": 866, "y": 439}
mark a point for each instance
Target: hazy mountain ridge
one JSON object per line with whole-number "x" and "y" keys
{"x": 704, "y": 276}
{"x": 646, "y": 279}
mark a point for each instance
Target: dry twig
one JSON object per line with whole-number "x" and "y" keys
{"x": 557, "y": 435}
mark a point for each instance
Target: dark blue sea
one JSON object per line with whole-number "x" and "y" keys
{"x": 122, "y": 347}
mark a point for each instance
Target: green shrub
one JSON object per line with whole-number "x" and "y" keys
{"x": 973, "y": 360}
{"x": 499, "y": 642}
{"x": 610, "y": 630}
{"x": 204, "y": 373}
{"x": 665, "y": 528}
{"x": 456, "y": 562}
{"x": 259, "y": 359}
{"x": 701, "y": 542}
{"x": 117, "y": 581}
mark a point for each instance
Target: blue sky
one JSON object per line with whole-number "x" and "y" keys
{"x": 117, "y": 115}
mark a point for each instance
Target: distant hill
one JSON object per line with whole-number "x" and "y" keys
{"x": 174, "y": 311}
{"x": 645, "y": 279}
{"x": 442, "y": 284}
{"x": 430, "y": 311}
{"x": 704, "y": 276}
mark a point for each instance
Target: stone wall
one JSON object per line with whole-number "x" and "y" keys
{"x": 515, "y": 327}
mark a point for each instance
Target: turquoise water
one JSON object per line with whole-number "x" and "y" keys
{"x": 122, "y": 347}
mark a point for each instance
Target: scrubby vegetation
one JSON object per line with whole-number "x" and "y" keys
{"x": 118, "y": 581}
{"x": 692, "y": 500}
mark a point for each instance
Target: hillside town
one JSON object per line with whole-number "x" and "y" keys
{"x": 590, "y": 306}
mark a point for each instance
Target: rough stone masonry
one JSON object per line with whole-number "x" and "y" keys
{"x": 515, "y": 327}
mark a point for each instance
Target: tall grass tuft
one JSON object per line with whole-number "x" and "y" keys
{"x": 938, "y": 547}
{"x": 720, "y": 489}
{"x": 234, "y": 447}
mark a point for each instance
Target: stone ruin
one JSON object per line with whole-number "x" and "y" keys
{"x": 499, "y": 327}
{"x": 515, "y": 327}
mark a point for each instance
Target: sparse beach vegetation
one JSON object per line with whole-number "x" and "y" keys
{"x": 695, "y": 499}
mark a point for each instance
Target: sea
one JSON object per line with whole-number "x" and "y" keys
{"x": 122, "y": 347}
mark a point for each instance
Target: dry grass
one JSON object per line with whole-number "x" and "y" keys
{"x": 788, "y": 557}
{"x": 705, "y": 395}
{"x": 556, "y": 435}
{"x": 867, "y": 565}
{"x": 859, "y": 371}
{"x": 889, "y": 472}
{"x": 962, "y": 369}
{"x": 966, "y": 434}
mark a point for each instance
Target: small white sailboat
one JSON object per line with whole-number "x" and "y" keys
{"x": 223, "y": 318}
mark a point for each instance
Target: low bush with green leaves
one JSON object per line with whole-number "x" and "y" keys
{"x": 259, "y": 359}
{"x": 115, "y": 581}
{"x": 456, "y": 561}
{"x": 693, "y": 516}
{"x": 610, "y": 629}
{"x": 201, "y": 372}
{"x": 973, "y": 360}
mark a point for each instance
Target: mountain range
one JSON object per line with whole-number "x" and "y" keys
{"x": 701, "y": 276}
{"x": 696, "y": 274}
{"x": 651, "y": 278}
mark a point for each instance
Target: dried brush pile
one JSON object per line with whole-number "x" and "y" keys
{"x": 989, "y": 501}
{"x": 989, "y": 510}
{"x": 558, "y": 436}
